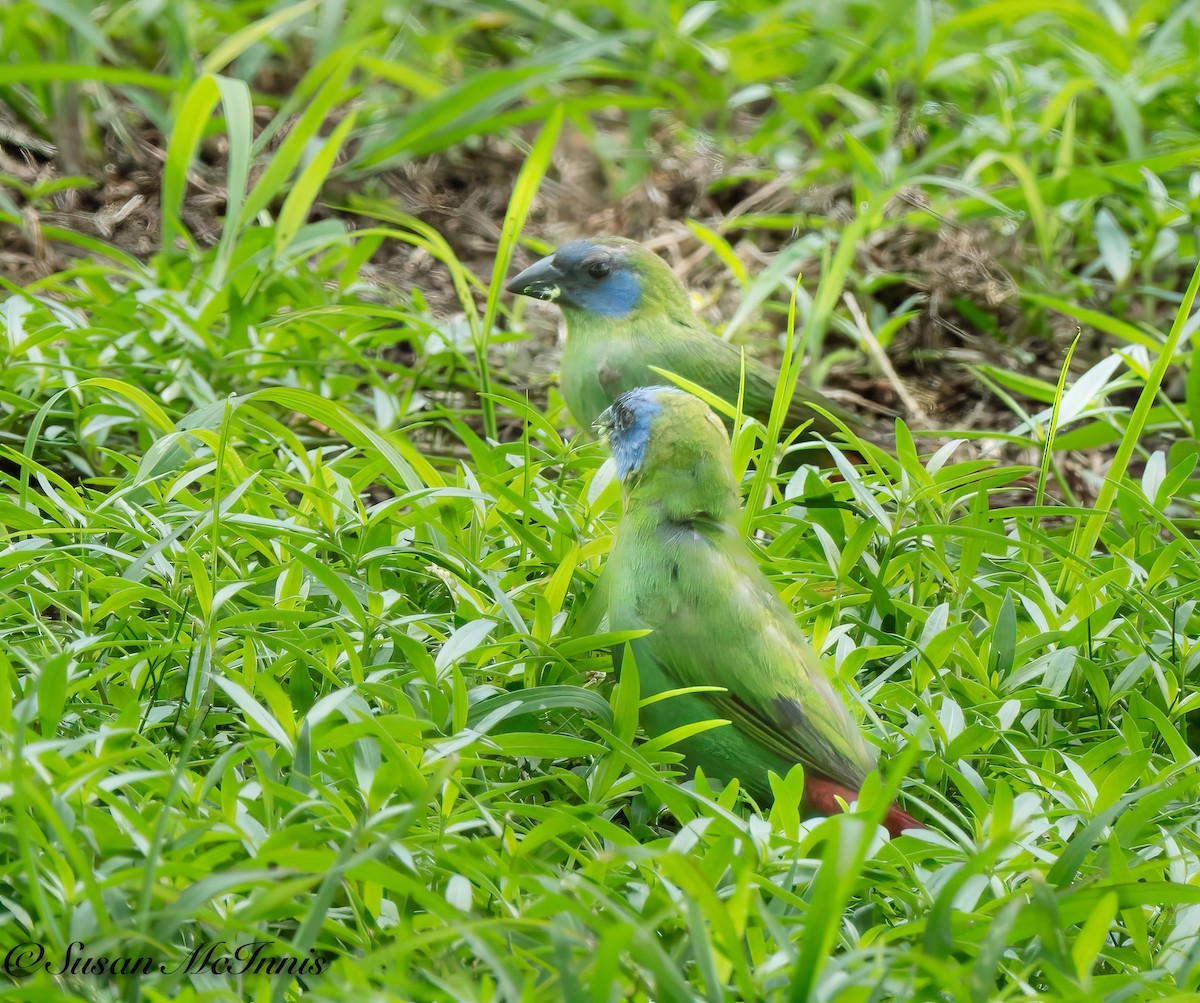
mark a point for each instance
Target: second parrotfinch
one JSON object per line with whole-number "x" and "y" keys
{"x": 680, "y": 567}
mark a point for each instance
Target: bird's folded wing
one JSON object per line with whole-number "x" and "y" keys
{"x": 717, "y": 365}
{"x": 730, "y": 629}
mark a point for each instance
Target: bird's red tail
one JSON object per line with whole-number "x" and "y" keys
{"x": 821, "y": 796}
{"x": 898, "y": 820}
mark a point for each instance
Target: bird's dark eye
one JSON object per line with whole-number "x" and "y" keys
{"x": 599, "y": 269}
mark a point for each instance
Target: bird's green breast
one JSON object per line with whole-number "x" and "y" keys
{"x": 589, "y": 369}
{"x": 602, "y": 359}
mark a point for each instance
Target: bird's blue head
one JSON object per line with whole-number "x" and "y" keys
{"x": 672, "y": 453}
{"x": 600, "y": 277}
{"x": 626, "y": 425}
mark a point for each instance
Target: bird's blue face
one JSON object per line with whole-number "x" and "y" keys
{"x": 583, "y": 276}
{"x": 626, "y": 425}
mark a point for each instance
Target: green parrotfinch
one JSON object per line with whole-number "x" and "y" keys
{"x": 626, "y": 311}
{"x": 680, "y": 567}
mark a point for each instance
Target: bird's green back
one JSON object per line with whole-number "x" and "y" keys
{"x": 680, "y": 568}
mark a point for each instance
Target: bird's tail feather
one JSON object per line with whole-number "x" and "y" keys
{"x": 898, "y": 820}
{"x": 821, "y": 796}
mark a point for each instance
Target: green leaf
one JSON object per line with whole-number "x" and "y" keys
{"x": 536, "y": 699}
{"x": 1115, "y": 249}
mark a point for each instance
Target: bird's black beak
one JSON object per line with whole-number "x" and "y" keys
{"x": 602, "y": 426}
{"x": 540, "y": 280}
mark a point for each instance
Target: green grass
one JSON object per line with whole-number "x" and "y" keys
{"x": 300, "y": 650}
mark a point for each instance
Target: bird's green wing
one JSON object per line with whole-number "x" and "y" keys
{"x": 717, "y": 365}
{"x": 716, "y": 620}
{"x": 604, "y": 358}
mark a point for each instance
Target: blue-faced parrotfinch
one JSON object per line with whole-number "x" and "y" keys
{"x": 681, "y": 568}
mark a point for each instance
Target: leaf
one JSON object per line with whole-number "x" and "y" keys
{"x": 194, "y": 117}
{"x": 1089, "y": 532}
{"x": 1115, "y": 249}
{"x": 1004, "y": 637}
{"x": 720, "y": 246}
{"x": 304, "y": 190}
{"x": 536, "y": 699}
{"x": 525, "y": 189}
{"x": 255, "y": 712}
{"x": 1094, "y": 318}
{"x": 1086, "y": 390}
{"x": 237, "y": 43}
{"x": 462, "y": 642}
